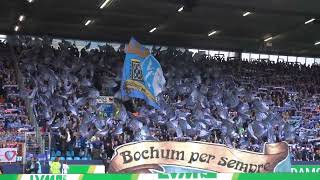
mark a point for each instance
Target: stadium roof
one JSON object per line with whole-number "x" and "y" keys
{"x": 289, "y": 27}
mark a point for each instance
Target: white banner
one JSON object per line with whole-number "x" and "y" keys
{"x": 8, "y": 154}
{"x": 105, "y": 100}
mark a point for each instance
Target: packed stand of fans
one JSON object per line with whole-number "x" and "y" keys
{"x": 238, "y": 103}
{"x": 13, "y": 116}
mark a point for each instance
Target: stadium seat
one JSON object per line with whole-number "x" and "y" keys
{"x": 53, "y": 153}
{"x": 62, "y": 158}
{"x": 68, "y": 153}
{"x": 72, "y": 153}
{"x": 81, "y": 154}
{"x": 84, "y": 158}
{"x": 52, "y": 158}
{"x": 76, "y": 158}
{"x": 69, "y": 158}
{"x": 58, "y": 153}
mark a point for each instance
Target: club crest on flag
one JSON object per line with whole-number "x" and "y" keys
{"x": 136, "y": 72}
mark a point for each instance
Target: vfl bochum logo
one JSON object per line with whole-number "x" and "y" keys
{"x": 136, "y": 71}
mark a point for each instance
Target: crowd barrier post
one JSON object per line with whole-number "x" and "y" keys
{"x": 22, "y": 88}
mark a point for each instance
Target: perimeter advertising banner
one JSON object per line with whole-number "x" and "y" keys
{"x": 169, "y": 157}
{"x": 305, "y": 169}
{"x": 171, "y": 176}
{"x": 99, "y": 169}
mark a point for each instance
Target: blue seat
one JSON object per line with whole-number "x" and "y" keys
{"x": 72, "y": 153}
{"x": 84, "y": 158}
{"x": 69, "y": 158}
{"x": 53, "y": 153}
{"x": 62, "y": 158}
{"x": 68, "y": 153}
{"x": 81, "y": 154}
{"x": 58, "y": 153}
{"x": 89, "y": 158}
{"x": 77, "y": 158}
{"x": 52, "y": 158}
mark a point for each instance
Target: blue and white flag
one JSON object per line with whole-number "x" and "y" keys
{"x": 153, "y": 75}
{"x": 142, "y": 76}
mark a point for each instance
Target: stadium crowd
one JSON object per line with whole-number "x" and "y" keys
{"x": 239, "y": 103}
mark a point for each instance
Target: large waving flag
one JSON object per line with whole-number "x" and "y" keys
{"x": 142, "y": 76}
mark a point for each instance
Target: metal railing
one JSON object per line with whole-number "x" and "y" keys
{"x": 27, "y": 100}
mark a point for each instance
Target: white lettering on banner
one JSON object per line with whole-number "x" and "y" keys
{"x": 186, "y": 176}
{"x": 305, "y": 170}
{"x": 99, "y": 169}
{"x": 8, "y": 155}
{"x": 50, "y": 177}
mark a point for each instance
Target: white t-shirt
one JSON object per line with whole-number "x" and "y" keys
{"x": 65, "y": 169}
{"x": 68, "y": 137}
